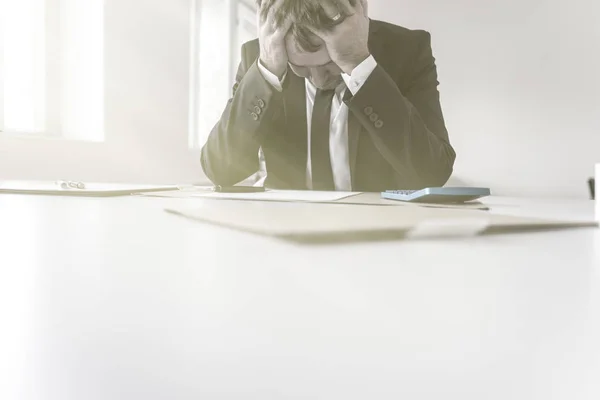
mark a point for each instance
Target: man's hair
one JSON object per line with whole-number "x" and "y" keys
{"x": 304, "y": 14}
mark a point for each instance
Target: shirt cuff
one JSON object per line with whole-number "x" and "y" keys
{"x": 360, "y": 74}
{"x": 271, "y": 77}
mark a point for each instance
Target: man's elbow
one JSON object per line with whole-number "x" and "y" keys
{"x": 221, "y": 172}
{"x": 444, "y": 168}
{"x": 447, "y": 166}
{"x": 442, "y": 177}
{"x": 209, "y": 169}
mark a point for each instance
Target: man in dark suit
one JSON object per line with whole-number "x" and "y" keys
{"x": 335, "y": 101}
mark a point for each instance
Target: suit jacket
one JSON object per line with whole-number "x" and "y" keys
{"x": 397, "y": 137}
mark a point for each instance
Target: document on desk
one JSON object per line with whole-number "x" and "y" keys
{"x": 325, "y": 223}
{"x": 81, "y": 189}
{"x": 298, "y": 196}
{"x": 280, "y": 195}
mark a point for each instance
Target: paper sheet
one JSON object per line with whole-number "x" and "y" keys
{"x": 322, "y": 223}
{"x": 91, "y": 188}
{"x": 355, "y": 198}
{"x": 281, "y": 195}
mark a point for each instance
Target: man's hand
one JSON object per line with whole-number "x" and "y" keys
{"x": 348, "y": 42}
{"x": 273, "y": 54}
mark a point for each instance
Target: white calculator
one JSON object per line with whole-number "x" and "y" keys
{"x": 437, "y": 194}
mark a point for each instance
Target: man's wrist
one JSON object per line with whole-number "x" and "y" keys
{"x": 279, "y": 72}
{"x": 354, "y": 62}
{"x": 271, "y": 78}
{"x": 360, "y": 74}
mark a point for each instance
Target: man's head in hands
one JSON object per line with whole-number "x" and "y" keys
{"x": 307, "y": 22}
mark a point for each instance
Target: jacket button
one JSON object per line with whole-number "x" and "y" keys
{"x": 261, "y": 103}
{"x": 368, "y": 111}
{"x": 374, "y": 117}
{"x": 257, "y": 110}
{"x": 254, "y": 116}
{"x": 379, "y": 124}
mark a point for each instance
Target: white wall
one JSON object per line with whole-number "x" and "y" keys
{"x": 520, "y": 88}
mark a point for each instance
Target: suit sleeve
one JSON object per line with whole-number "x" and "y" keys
{"x": 230, "y": 154}
{"x": 408, "y": 128}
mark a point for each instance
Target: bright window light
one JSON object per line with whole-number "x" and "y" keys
{"x": 23, "y": 59}
{"x": 220, "y": 29}
{"x": 52, "y": 68}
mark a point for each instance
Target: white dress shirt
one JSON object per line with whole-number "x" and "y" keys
{"x": 338, "y": 126}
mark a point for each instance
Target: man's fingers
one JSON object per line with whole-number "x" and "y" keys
{"x": 364, "y": 4}
{"x": 268, "y": 8}
{"x": 331, "y": 8}
{"x": 315, "y": 31}
{"x": 263, "y": 10}
{"x": 345, "y": 8}
{"x": 285, "y": 26}
{"x": 274, "y": 7}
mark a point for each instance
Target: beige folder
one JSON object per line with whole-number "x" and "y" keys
{"x": 325, "y": 223}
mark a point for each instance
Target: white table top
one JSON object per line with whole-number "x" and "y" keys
{"x": 114, "y": 299}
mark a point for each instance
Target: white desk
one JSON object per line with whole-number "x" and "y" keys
{"x": 113, "y": 299}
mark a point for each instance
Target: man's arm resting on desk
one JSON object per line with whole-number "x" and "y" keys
{"x": 407, "y": 128}
{"x": 230, "y": 154}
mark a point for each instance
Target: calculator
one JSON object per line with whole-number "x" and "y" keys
{"x": 437, "y": 194}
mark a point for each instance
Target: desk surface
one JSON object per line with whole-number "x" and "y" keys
{"x": 115, "y": 299}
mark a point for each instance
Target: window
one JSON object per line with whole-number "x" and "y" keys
{"x": 221, "y": 27}
{"x": 113, "y": 75}
{"x": 52, "y": 68}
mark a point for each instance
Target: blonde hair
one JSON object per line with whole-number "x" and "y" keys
{"x": 305, "y": 14}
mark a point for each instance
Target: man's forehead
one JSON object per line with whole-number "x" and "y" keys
{"x": 305, "y": 59}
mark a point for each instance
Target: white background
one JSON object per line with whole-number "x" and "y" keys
{"x": 519, "y": 86}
